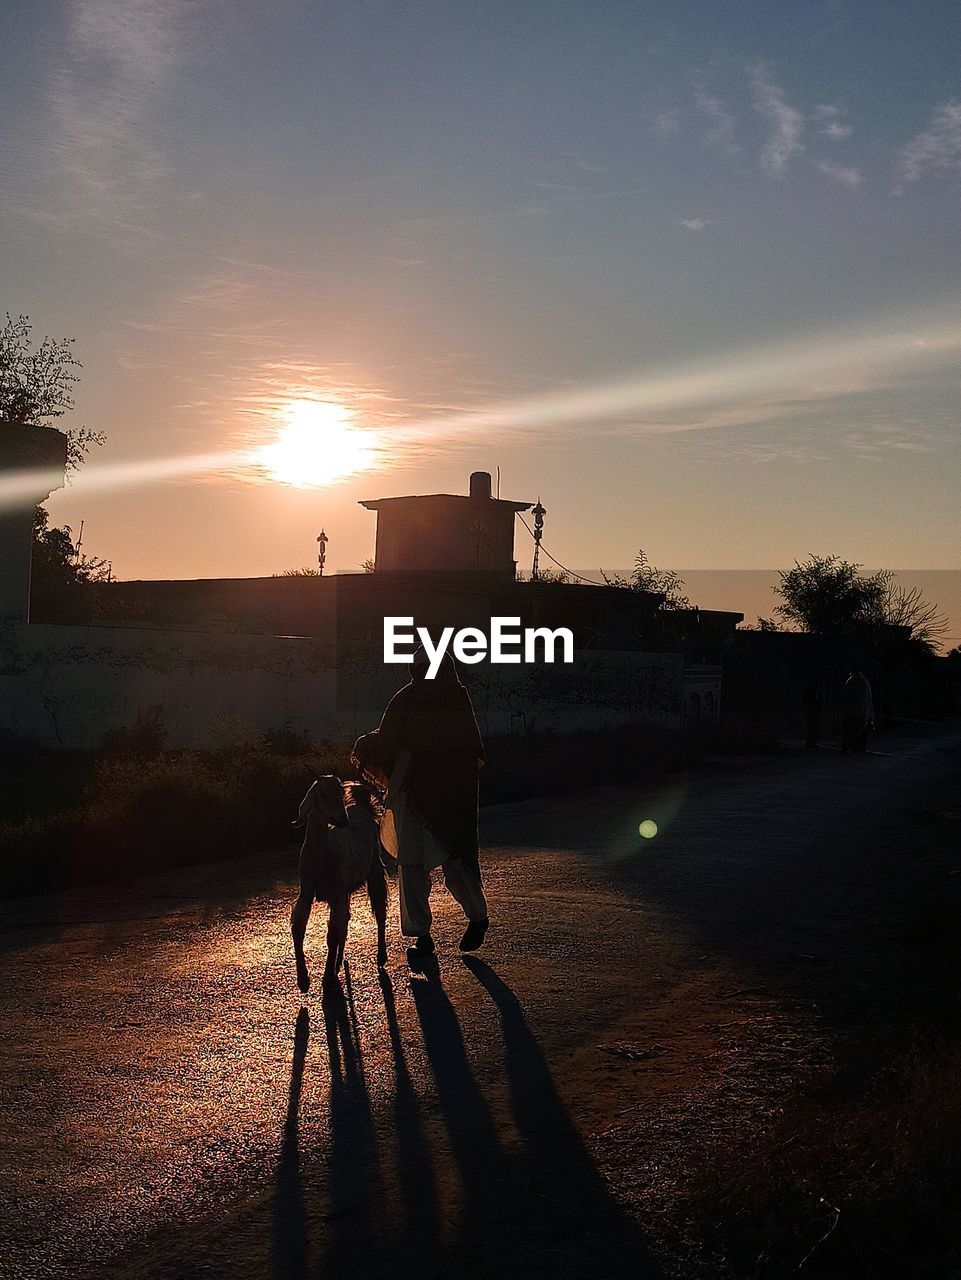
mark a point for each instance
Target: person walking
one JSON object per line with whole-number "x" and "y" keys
{"x": 857, "y": 713}
{"x": 428, "y": 752}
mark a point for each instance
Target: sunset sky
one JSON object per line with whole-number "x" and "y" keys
{"x": 690, "y": 272}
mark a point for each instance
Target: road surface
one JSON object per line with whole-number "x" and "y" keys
{"x": 172, "y": 1108}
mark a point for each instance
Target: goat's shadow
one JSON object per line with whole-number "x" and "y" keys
{"x": 290, "y": 1229}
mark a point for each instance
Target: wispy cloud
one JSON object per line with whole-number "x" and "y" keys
{"x": 785, "y": 140}
{"x": 102, "y": 139}
{"x": 665, "y": 124}
{"x": 696, "y": 224}
{"x": 937, "y": 149}
{"x": 844, "y": 174}
{"x": 721, "y": 133}
{"x": 830, "y": 120}
{"x": 880, "y": 439}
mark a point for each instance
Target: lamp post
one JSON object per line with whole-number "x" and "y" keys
{"x": 538, "y": 512}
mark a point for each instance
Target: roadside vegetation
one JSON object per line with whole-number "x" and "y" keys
{"x": 133, "y": 807}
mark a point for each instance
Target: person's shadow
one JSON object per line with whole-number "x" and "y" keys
{"x": 415, "y": 1167}
{"x": 476, "y": 1147}
{"x": 353, "y": 1163}
{"x": 572, "y": 1214}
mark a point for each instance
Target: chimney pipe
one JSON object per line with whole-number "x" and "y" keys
{"x": 480, "y": 484}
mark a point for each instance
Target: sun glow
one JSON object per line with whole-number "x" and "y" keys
{"x": 317, "y": 445}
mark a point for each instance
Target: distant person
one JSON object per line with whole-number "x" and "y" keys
{"x": 857, "y": 712}
{"x": 428, "y": 750}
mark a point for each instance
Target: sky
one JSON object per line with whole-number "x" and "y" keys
{"x": 688, "y": 272}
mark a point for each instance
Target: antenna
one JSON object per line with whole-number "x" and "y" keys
{"x": 79, "y": 544}
{"x": 498, "y": 482}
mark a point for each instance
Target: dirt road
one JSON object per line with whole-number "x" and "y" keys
{"x": 171, "y": 1108}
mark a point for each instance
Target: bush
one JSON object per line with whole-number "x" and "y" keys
{"x": 144, "y": 813}
{"x": 134, "y": 808}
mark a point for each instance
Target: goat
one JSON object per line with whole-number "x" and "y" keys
{"x": 340, "y": 853}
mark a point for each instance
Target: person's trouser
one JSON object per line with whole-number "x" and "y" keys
{"x": 463, "y": 882}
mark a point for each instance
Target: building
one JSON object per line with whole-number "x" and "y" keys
{"x": 443, "y": 559}
{"x": 447, "y": 533}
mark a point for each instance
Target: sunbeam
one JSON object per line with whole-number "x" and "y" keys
{"x": 320, "y": 444}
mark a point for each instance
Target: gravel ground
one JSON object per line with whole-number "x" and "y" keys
{"x": 172, "y": 1108}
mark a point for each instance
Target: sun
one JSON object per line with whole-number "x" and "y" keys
{"x": 317, "y": 445}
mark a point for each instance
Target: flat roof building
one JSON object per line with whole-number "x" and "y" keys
{"x": 446, "y": 532}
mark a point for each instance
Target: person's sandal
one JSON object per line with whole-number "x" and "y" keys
{"x": 474, "y": 935}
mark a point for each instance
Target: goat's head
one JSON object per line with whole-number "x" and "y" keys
{"x": 324, "y": 802}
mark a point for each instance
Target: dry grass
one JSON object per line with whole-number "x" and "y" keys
{"x": 843, "y": 1184}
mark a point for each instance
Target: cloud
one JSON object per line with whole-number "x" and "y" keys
{"x": 101, "y": 141}
{"x": 879, "y": 440}
{"x": 836, "y": 131}
{"x": 696, "y": 224}
{"x": 665, "y": 124}
{"x": 831, "y": 123}
{"x": 786, "y": 123}
{"x": 937, "y": 148}
{"x": 721, "y": 133}
{"x": 846, "y": 175}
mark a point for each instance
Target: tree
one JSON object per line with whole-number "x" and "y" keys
{"x": 907, "y": 608}
{"x": 36, "y": 387}
{"x": 827, "y": 595}
{"x": 64, "y": 584}
{"x": 646, "y": 577}
{"x": 36, "y": 384}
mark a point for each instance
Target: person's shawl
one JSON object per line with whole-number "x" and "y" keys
{"x": 433, "y": 721}
{"x": 857, "y": 702}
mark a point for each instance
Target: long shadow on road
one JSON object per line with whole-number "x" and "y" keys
{"x": 473, "y": 1200}
{"x": 573, "y": 1215}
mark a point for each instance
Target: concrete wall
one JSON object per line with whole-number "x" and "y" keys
{"x": 66, "y": 687}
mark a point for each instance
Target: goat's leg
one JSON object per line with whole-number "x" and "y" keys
{"x": 377, "y": 893}
{"x": 336, "y": 937}
{"x": 299, "y": 915}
